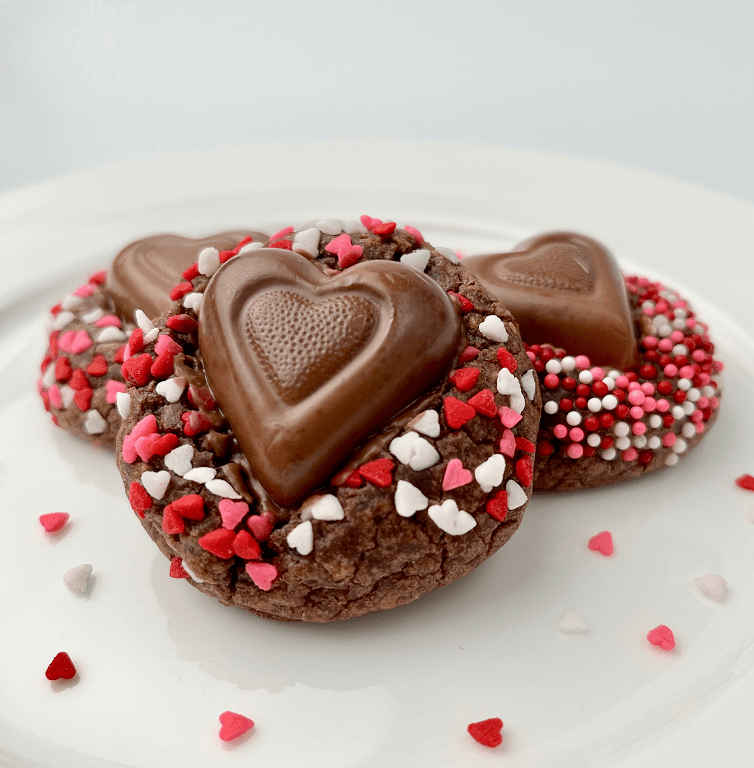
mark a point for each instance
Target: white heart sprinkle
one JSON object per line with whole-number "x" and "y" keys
{"x": 447, "y": 517}
{"x": 67, "y": 394}
{"x": 307, "y": 242}
{"x": 69, "y": 302}
{"x": 351, "y": 227}
{"x": 489, "y": 474}
{"x": 48, "y": 379}
{"x": 449, "y": 255}
{"x": 326, "y": 507}
{"x": 93, "y": 315}
{"x": 143, "y": 321}
{"x": 179, "y": 459}
{"x": 529, "y": 383}
{"x": 193, "y": 301}
{"x": 570, "y": 623}
{"x": 94, "y": 424}
{"x": 409, "y": 499}
{"x": 123, "y": 403}
{"x": 150, "y": 336}
{"x": 156, "y": 483}
{"x": 200, "y": 475}
{"x": 494, "y": 329}
{"x": 111, "y": 333}
{"x": 222, "y": 488}
{"x": 209, "y": 261}
{"x": 191, "y": 573}
{"x": 414, "y": 451}
{"x": 172, "y": 389}
{"x": 301, "y": 538}
{"x": 416, "y": 259}
{"x": 516, "y": 495}
{"x": 330, "y": 226}
{"x": 712, "y": 586}
{"x": 77, "y": 578}
{"x": 62, "y": 319}
{"x": 251, "y": 247}
{"x": 427, "y": 423}
{"x": 508, "y": 384}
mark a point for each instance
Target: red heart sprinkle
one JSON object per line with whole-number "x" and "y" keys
{"x": 468, "y": 354}
{"x": 487, "y": 732}
{"x": 378, "y": 472}
{"x": 137, "y": 369}
{"x": 662, "y": 636}
{"x": 385, "y": 230}
{"x": 61, "y": 667}
{"x": 172, "y": 522}
{"x": 165, "y": 444}
{"x": 746, "y": 482}
{"x": 162, "y": 366}
{"x": 245, "y": 546}
{"x": 234, "y": 725}
{"x": 525, "y": 472}
{"x": 140, "y": 500}
{"x": 83, "y": 399}
{"x": 182, "y": 323}
{"x": 285, "y": 245}
{"x": 190, "y": 506}
{"x": 194, "y": 423}
{"x": 483, "y": 403}
{"x": 261, "y": 526}
{"x": 347, "y": 253}
{"x": 136, "y": 341}
{"x": 457, "y": 413}
{"x": 177, "y": 571}
{"x": 191, "y": 272}
{"x": 346, "y": 477}
{"x": 525, "y": 445}
{"x": 497, "y": 506}
{"x": 506, "y": 359}
{"x": 219, "y": 542}
{"x": 79, "y": 380}
{"x": 465, "y": 378}
{"x": 602, "y": 543}
{"x": 466, "y": 305}
{"x": 54, "y": 521}
{"x": 370, "y": 223}
{"x": 63, "y": 369}
{"x": 98, "y": 278}
{"x": 262, "y": 574}
{"x": 180, "y": 291}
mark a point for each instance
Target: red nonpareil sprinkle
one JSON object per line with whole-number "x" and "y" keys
{"x": 483, "y": 403}
{"x": 190, "y": 506}
{"x": 139, "y": 499}
{"x": 525, "y": 470}
{"x": 182, "y": 323}
{"x": 545, "y": 448}
{"x": 194, "y": 423}
{"x": 378, "y": 472}
{"x": 497, "y": 506}
{"x": 662, "y": 636}
{"x": 219, "y": 542}
{"x": 191, "y": 272}
{"x": 136, "y": 341}
{"x": 457, "y": 413}
{"x": 177, "y": 571}
{"x": 78, "y": 380}
{"x": 506, "y": 359}
{"x": 54, "y": 521}
{"x": 137, "y": 369}
{"x": 487, "y": 732}
{"x": 61, "y": 667}
{"x": 172, "y": 522}
{"x": 285, "y": 245}
{"x": 466, "y": 305}
{"x": 464, "y": 379}
{"x": 63, "y": 369}
{"x": 162, "y": 366}
{"x": 746, "y": 482}
{"x": 602, "y": 542}
{"x": 245, "y": 546}
{"x": 83, "y": 399}
{"x": 234, "y": 725}
{"x": 165, "y": 444}
{"x": 386, "y": 229}
{"x": 180, "y": 291}
{"x": 468, "y": 354}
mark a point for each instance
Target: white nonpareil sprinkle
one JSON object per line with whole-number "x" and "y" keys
{"x": 417, "y": 452}
{"x": 553, "y": 365}
{"x": 489, "y": 474}
{"x": 111, "y": 333}
{"x": 593, "y": 440}
{"x": 94, "y": 423}
{"x": 123, "y": 403}
{"x": 171, "y": 389}
{"x": 306, "y": 242}
{"x": 677, "y": 412}
{"x": 570, "y": 623}
{"x": 330, "y": 226}
{"x": 449, "y": 254}
{"x": 156, "y": 483}
{"x": 550, "y": 407}
{"x": 594, "y": 404}
{"x": 573, "y": 418}
{"x": 409, "y": 499}
{"x": 516, "y": 494}
{"x": 585, "y": 377}
{"x": 77, "y": 578}
{"x": 192, "y": 301}
{"x": 222, "y": 488}
{"x": 209, "y": 261}
{"x": 449, "y": 518}
{"x": 654, "y": 443}
{"x": 200, "y": 475}
{"x": 179, "y": 459}
{"x": 671, "y": 460}
{"x": 427, "y": 423}
{"x": 528, "y": 382}
{"x": 713, "y": 587}
{"x": 568, "y": 363}
{"x": 326, "y": 507}
{"x": 301, "y": 538}
{"x": 623, "y": 443}
{"x": 416, "y": 259}
{"x": 688, "y": 430}
{"x": 62, "y": 319}
{"x": 609, "y": 454}
{"x": 621, "y": 429}
{"x": 609, "y": 402}
{"x": 493, "y": 328}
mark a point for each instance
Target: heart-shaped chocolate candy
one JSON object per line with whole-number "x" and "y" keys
{"x": 305, "y": 365}
{"x": 566, "y": 290}
{"x": 146, "y": 271}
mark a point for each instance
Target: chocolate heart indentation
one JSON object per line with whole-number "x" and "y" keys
{"x": 146, "y": 271}
{"x": 566, "y": 290}
{"x": 306, "y": 365}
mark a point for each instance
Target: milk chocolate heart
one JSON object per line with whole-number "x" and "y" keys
{"x": 566, "y": 290}
{"x": 144, "y": 272}
{"x": 306, "y": 365}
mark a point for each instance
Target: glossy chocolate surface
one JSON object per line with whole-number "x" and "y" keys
{"x": 146, "y": 271}
{"x": 564, "y": 289}
{"x": 305, "y": 365}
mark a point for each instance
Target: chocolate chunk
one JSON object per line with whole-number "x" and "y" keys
{"x": 305, "y": 366}
{"x": 566, "y": 290}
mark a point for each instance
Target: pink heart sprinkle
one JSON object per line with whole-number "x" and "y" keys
{"x": 54, "y": 521}
{"x": 84, "y": 291}
{"x": 108, "y": 320}
{"x": 370, "y": 223}
{"x": 508, "y": 416}
{"x": 455, "y": 475}
{"x": 602, "y": 542}
{"x": 342, "y": 247}
{"x": 262, "y": 574}
{"x": 234, "y": 725}
{"x": 662, "y": 636}
{"x": 144, "y": 446}
{"x": 261, "y": 526}
{"x": 508, "y": 444}
{"x": 166, "y": 344}
{"x": 415, "y": 232}
{"x": 112, "y": 388}
{"x": 81, "y": 342}
{"x": 280, "y": 235}
{"x": 232, "y": 512}
{"x": 55, "y": 397}
{"x": 65, "y": 341}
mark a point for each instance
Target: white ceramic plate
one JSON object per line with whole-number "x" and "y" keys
{"x": 158, "y": 661}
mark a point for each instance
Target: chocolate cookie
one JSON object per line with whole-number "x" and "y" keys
{"x": 628, "y": 376}
{"x": 81, "y": 376}
{"x": 346, "y": 423}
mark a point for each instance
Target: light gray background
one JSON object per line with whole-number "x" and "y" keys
{"x": 660, "y": 85}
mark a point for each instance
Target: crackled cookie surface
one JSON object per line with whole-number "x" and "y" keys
{"x": 81, "y": 376}
{"x": 342, "y": 422}
{"x": 627, "y": 371}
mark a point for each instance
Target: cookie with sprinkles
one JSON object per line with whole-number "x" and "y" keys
{"x": 627, "y": 370}
{"x": 343, "y": 422}
{"x": 89, "y": 329}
